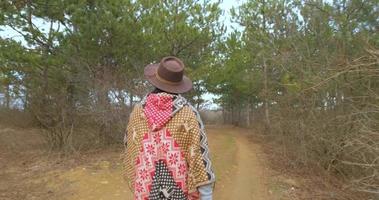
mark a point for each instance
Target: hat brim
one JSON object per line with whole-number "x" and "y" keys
{"x": 184, "y": 86}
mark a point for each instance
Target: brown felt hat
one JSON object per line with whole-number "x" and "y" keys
{"x": 168, "y": 75}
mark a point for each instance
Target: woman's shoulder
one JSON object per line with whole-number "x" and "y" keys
{"x": 136, "y": 110}
{"x": 187, "y": 112}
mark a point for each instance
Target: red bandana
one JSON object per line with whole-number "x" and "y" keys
{"x": 158, "y": 110}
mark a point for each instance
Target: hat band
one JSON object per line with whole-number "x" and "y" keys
{"x": 164, "y": 80}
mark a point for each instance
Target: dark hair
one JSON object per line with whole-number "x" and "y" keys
{"x": 157, "y": 90}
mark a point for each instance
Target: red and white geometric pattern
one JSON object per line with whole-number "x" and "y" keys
{"x": 158, "y": 109}
{"x": 158, "y": 145}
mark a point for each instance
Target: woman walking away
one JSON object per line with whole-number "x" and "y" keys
{"x": 167, "y": 153}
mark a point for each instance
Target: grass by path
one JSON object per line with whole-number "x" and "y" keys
{"x": 239, "y": 164}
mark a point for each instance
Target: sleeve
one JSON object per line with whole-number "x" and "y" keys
{"x": 206, "y": 192}
{"x": 129, "y": 127}
{"x": 129, "y": 145}
{"x": 200, "y": 162}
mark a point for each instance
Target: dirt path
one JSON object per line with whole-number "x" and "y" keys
{"x": 248, "y": 176}
{"x": 253, "y": 185}
{"x": 239, "y": 165}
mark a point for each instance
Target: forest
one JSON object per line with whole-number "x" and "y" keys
{"x": 303, "y": 73}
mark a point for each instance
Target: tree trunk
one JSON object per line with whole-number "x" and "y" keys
{"x": 131, "y": 100}
{"x": 105, "y": 105}
{"x": 7, "y": 96}
{"x": 266, "y": 105}
{"x": 105, "y": 128}
{"x": 198, "y": 103}
{"x": 248, "y": 113}
{"x": 26, "y": 100}
{"x": 224, "y": 115}
{"x": 232, "y": 115}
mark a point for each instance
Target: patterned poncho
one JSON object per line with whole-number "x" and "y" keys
{"x": 167, "y": 153}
